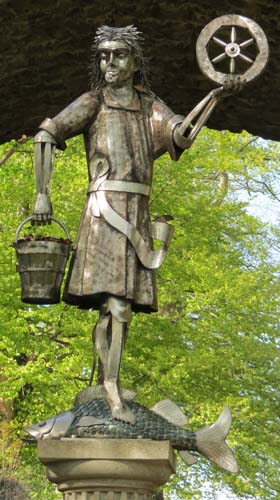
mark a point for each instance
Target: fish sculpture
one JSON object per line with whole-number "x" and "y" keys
{"x": 91, "y": 418}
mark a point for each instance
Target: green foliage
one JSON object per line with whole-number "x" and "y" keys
{"x": 214, "y": 341}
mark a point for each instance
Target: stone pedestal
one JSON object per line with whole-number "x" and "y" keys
{"x": 107, "y": 469}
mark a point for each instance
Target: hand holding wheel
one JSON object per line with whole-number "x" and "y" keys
{"x": 222, "y": 50}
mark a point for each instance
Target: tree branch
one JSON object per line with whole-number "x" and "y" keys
{"x": 13, "y": 150}
{"x": 253, "y": 139}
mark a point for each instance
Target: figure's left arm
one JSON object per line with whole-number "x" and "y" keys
{"x": 185, "y": 133}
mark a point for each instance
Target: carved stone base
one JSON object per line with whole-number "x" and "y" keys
{"x": 107, "y": 469}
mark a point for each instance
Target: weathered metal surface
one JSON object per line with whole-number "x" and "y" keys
{"x": 125, "y": 154}
{"x": 232, "y": 50}
{"x": 41, "y": 266}
{"x": 94, "y": 419}
{"x": 125, "y": 127}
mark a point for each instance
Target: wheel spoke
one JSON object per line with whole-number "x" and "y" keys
{"x": 247, "y": 43}
{"x": 246, "y": 58}
{"x": 232, "y": 47}
{"x": 232, "y": 65}
{"x": 219, "y": 41}
{"x": 219, "y": 58}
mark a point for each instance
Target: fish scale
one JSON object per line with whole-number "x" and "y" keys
{"x": 92, "y": 418}
{"x": 148, "y": 425}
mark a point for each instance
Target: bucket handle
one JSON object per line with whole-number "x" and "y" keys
{"x": 32, "y": 218}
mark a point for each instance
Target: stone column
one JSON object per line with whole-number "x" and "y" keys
{"x": 107, "y": 469}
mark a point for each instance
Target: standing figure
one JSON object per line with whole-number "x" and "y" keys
{"x": 125, "y": 127}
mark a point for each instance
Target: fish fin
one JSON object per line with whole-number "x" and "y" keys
{"x": 211, "y": 442}
{"x": 187, "y": 457}
{"x": 170, "y": 411}
{"x": 89, "y": 393}
{"x": 88, "y": 421}
{"x": 98, "y": 391}
{"x": 127, "y": 394}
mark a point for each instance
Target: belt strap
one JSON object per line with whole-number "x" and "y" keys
{"x": 151, "y": 259}
{"x": 120, "y": 186}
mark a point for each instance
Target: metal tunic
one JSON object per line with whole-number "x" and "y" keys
{"x": 121, "y": 143}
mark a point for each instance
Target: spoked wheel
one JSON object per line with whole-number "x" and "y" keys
{"x": 232, "y": 46}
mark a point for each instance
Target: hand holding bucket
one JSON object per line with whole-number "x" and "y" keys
{"x": 41, "y": 265}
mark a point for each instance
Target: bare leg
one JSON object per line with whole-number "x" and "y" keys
{"x": 100, "y": 372}
{"x": 110, "y": 355}
{"x": 100, "y": 334}
{"x": 111, "y": 380}
{"x": 101, "y": 338}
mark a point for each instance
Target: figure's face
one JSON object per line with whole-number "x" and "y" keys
{"x": 117, "y": 64}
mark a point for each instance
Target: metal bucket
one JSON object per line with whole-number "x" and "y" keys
{"x": 41, "y": 266}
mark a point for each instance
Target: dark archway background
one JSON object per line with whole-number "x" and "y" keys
{"x": 45, "y": 49}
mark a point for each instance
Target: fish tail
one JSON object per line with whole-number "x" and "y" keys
{"x": 211, "y": 442}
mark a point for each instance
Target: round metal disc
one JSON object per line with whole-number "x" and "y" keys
{"x": 206, "y": 66}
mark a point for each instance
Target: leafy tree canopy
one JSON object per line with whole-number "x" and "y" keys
{"x": 215, "y": 339}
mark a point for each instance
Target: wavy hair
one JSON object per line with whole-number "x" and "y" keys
{"x": 134, "y": 39}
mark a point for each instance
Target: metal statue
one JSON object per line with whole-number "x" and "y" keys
{"x": 125, "y": 127}
{"x": 90, "y": 418}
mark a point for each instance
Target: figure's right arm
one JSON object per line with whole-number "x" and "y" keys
{"x": 44, "y": 149}
{"x": 72, "y": 121}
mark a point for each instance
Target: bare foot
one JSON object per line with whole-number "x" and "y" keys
{"x": 124, "y": 414}
{"x": 119, "y": 410}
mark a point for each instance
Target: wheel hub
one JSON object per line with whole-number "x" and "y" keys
{"x": 232, "y": 50}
